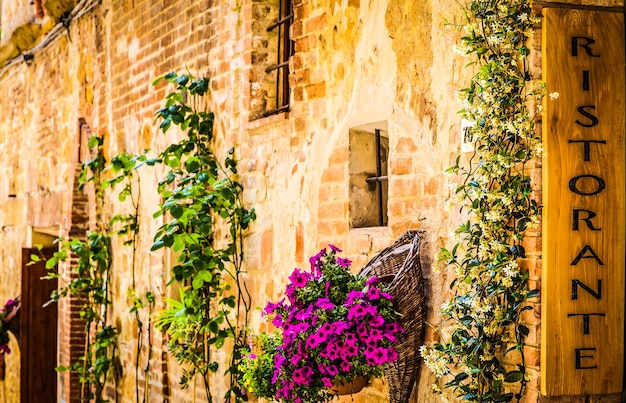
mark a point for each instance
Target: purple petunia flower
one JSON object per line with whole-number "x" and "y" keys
{"x": 324, "y": 303}
{"x": 339, "y": 327}
{"x": 327, "y": 382}
{"x": 313, "y": 341}
{"x": 303, "y": 376}
{"x": 304, "y": 314}
{"x": 299, "y": 278}
{"x": 386, "y": 295}
{"x": 315, "y": 262}
{"x": 393, "y": 328}
{"x": 330, "y": 370}
{"x": 371, "y": 310}
{"x": 377, "y": 321}
{"x": 295, "y": 359}
{"x": 353, "y": 296}
{"x": 348, "y": 351}
{"x": 376, "y": 334}
{"x": 362, "y": 331}
{"x": 271, "y": 307}
{"x": 334, "y": 248}
{"x": 350, "y": 339}
{"x": 344, "y": 262}
{"x": 392, "y": 355}
{"x": 278, "y": 321}
{"x": 373, "y": 293}
{"x": 380, "y": 356}
{"x": 372, "y": 281}
{"x": 357, "y": 312}
{"x": 331, "y": 352}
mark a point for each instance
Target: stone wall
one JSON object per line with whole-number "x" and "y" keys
{"x": 356, "y": 63}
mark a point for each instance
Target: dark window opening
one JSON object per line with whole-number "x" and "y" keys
{"x": 369, "y": 151}
{"x": 285, "y": 50}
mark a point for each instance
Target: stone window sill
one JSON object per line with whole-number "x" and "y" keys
{"x": 270, "y": 120}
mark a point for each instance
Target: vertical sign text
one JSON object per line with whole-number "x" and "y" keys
{"x": 582, "y": 306}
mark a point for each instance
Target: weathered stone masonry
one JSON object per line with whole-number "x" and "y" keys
{"x": 356, "y": 63}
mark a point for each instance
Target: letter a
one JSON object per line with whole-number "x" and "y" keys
{"x": 592, "y": 255}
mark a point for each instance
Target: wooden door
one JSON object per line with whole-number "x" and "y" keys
{"x": 38, "y": 332}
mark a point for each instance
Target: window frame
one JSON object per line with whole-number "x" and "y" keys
{"x": 285, "y": 50}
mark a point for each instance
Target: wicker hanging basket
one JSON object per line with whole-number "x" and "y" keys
{"x": 399, "y": 265}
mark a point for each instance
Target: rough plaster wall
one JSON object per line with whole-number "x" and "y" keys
{"x": 13, "y": 14}
{"x": 358, "y": 62}
{"x": 599, "y": 3}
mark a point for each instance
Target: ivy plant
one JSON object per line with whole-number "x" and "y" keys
{"x": 482, "y": 321}
{"x": 204, "y": 221}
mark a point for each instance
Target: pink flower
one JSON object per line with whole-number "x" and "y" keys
{"x": 315, "y": 262}
{"x": 377, "y": 321}
{"x": 373, "y": 294}
{"x": 327, "y": 382}
{"x": 344, "y": 262}
{"x": 4, "y": 349}
{"x": 372, "y": 281}
{"x": 303, "y": 376}
{"x": 371, "y": 310}
{"x": 353, "y": 296}
{"x": 350, "y": 339}
{"x": 386, "y": 295}
{"x": 375, "y": 334}
{"x": 392, "y": 330}
{"x": 271, "y": 307}
{"x": 304, "y": 314}
{"x": 278, "y": 321}
{"x": 334, "y": 248}
{"x": 331, "y": 352}
{"x": 330, "y": 370}
{"x": 324, "y": 303}
{"x": 356, "y": 312}
{"x": 295, "y": 359}
{"x": 348, "y": 351}
{"x": 339, "y": 327}
{"x": 299, "y": 278}
{"x": 313, "y": 341}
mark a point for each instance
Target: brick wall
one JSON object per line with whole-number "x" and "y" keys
{"x": 356, "y": 63}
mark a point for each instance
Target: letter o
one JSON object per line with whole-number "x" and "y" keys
{"x": 600, "y": 185}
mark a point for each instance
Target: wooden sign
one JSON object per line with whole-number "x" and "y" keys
{"x": 582, "y": 302}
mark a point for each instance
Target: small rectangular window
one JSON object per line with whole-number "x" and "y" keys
{"x": 285, "y": 49}
{"x": 369, "y": 154}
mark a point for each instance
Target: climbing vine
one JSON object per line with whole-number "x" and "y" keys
{"x": 204, "y": 224}
{"x": 482, "y": 321}
{"x": 92, "y": 271}
{"x": 89, "y": 283}
{"x": 124, "y": 167}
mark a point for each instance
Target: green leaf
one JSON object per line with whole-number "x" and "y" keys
{"x": 157, "y": 245}
{"x": 176, "y": 211}
{"x": 197, "y": 283}
{"x": 513, "y": 376}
